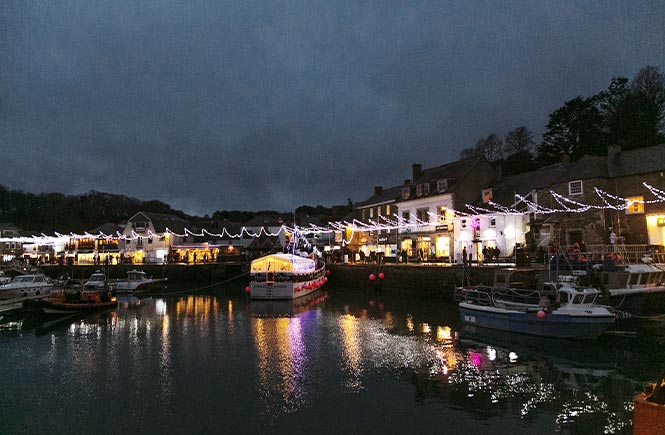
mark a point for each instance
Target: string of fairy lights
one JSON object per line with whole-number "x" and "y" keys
{"x": 382, "y": 224}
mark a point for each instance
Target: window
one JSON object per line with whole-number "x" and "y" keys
{"x": 463, "y": 224}
{"x": 419, "y": 190}
{"x": 487, "y": 195}
{"x": 442, "y": 185}
{"x": 492, "y": 222}
{"x": 405, "y": 193}
{"x": 406, "y": 216}
{"x": 575, "y": 187}
{"x": 426, "y": 189}
{"x": 423, "y": 214}
{"x": 635, "y": 205}
{"x": 442, "y": 214}
{"x": 371, "y": 212}
{"x": 387, "y": 209}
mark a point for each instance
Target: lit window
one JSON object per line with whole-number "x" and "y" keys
{"x": 487, "y": 195}
{"x": 426, "y": 189}
{"x": 387, "y": 209}
{"x": 442, "y": 214}
{"x": 575, "y": 187}
{"x": 635, "y": 205}
{"x": 371, "y": 212}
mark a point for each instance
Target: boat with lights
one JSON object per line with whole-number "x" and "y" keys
{"x": 558, "y": 309}
{"x": 294, "y": 273}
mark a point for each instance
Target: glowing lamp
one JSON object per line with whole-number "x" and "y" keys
{"x": 381, "y": 275}
{"x": 541, "y": 314}
{"x": 372, "y": 277}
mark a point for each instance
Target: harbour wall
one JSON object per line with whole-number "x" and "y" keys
{"x": 428, "y": 281}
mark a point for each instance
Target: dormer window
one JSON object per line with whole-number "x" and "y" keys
{"x": 442, "y": 185}
{"x": 405, "y": 193}
{"x": 487, "y": 195}
{"x": 426, "y": 189}
{"x": 575, "y": 188}
{"x": 419, "y": 190}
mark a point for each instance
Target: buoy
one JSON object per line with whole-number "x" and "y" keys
{"x": 381, "y": 275}
{"x": 248, "y": 289}
{"x": 372, "y": 277}
{"x": 327, "y": 272}
{"x": 541, "y": 314}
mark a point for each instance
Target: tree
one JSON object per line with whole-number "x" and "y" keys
{"x": 634, "y": 111}
{"x": 518, "y": 140}
{"x": 574, "y": 130}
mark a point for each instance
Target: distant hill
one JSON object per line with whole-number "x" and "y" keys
{"x": 51, "y": 212}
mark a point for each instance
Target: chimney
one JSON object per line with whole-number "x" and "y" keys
{"x": 417, "y": 170}
{"x": 612, "y": 151}
{"x": 378, "y": 190}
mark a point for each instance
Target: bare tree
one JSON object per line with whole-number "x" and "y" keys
{"x": 518, "y": 140}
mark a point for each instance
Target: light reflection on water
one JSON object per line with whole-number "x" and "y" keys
{"x": 207, "y": 363}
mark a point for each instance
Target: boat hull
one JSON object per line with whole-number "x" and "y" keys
{"x": 48, "y": 307}
{"x": 554, "y": 325}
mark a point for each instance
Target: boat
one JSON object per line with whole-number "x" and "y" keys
{"x": 69, "y": 302}
{"x": 292, "y": 274}
{"x": 4, "y": 279}
{"x": 557, "y": 309}
{"x": 649, "y": 409}
{"x": 97, "y": 281}
{"x": 288, "y": 307}
{"x": 23, "y": 286}
{"x": 633, "y": 282}
{"x": 136, "y": 281}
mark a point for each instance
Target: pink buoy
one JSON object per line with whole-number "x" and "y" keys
{"x": 541, "y": 314}
{"x": 248, "y": 289}
{"x": 372, "y": 277}
{"x": 381, "y": 275}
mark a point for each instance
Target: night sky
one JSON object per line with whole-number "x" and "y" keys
{"x": 252, "y": 105}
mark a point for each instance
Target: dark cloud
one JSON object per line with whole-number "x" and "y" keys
{"x": 211, "y": 105}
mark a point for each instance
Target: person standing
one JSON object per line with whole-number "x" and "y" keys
{"x": 464, "y": 256}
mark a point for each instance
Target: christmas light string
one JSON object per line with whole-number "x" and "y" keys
{"x": 383, "y": 224}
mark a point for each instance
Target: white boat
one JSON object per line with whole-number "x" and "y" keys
{"x": 285, "y": 276}
{"x": 560, "y": 309}
{"x": 97, "y": 281}
{"x": 29, "y": 285}
{"x": 137, "y": 280}
{"x": 4, "y": 279}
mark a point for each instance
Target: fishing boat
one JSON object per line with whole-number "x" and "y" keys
{"x": 23, "y": 286}
{"x": 70, "y": 302}
{"x": 137, "y": 281}
{"x": 292, "y": 274}
{"x": 558, "y": 309}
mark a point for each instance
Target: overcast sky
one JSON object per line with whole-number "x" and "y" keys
{"x": 251, "y": 105}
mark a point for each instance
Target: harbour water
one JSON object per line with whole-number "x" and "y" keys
{"x": 344, "y": 361}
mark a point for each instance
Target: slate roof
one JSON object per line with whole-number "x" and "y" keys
{"x": 504, "y": 189}
{"x": 386, "y": 196}
{"x": 162, "y": 221}
{"x": 454, "y": 172}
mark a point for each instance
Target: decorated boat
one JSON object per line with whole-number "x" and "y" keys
{"x": 285, "y": 276}
{"x": 558, "y": 309}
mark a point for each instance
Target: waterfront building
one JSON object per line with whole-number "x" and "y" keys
{"x": 428, "y": 203}
{"x": 380, "y": 208}
{"x": 146, "y": 239}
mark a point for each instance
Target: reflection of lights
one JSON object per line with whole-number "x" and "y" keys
{"x": 512, "y": 356}
{"x": 160, "y": 307}
{"x": 475, "y": 359}
{"x": 491, "y": 353}
{"x": 388, "y": 321}
{"x": 443, "y": 333}
{"x": 409, "y": 323}
{"x": 425, "y": 329}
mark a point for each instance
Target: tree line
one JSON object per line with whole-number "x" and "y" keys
{"x": 629, "y": 113}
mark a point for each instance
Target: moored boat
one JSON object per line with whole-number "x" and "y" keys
{"x": 23, "y": 286}
{"x": 97, "y": 281}
{"x": 560, "y": 309}
{"x": 68, "y": 302}
{"x": 136, "y": 281}
{"x": 285, "y": 276}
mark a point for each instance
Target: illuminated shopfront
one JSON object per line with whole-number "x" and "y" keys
{"x": 656, "y": 229}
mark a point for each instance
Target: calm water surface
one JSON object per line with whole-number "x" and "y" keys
{"x": 345, "y": 361}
